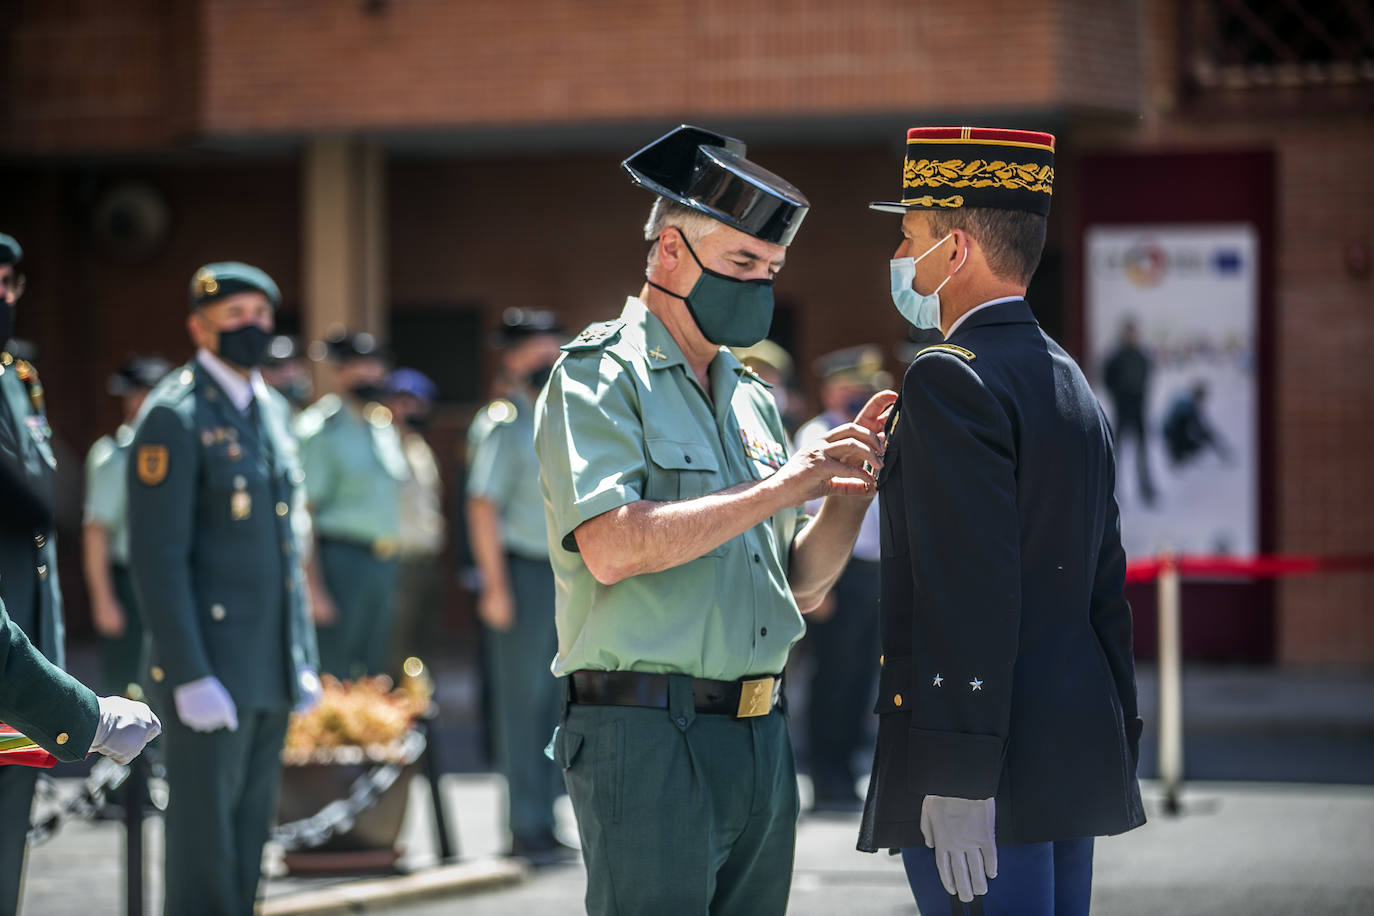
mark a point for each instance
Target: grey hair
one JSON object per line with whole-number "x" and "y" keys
{"x": 693, "y": 224}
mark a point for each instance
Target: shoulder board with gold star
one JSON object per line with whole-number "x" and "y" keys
{"x": 948, "y": 348}
{"x": 595, "y": 336}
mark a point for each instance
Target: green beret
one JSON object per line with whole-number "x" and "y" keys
{"x": 10, "y": 252}
{"x": 216, "y": 281}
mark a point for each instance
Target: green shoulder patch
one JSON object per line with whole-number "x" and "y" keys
{"x": 948, "y": 348}
{"x": 596, "y": 336}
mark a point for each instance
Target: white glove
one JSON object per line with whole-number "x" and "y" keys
{"x": 204, "y": 705}
{"x": 126, "y": 726}
{"x": 311, "y": 690}
{"x": 961, "y": 831}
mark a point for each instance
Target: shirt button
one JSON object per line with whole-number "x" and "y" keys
{"x": 763, "y": 631}
{"x": 217, "y": 611}
{"x": 897, "y": 700}
{"x": 682, "y": 721}
{"x": 282, "y": 509}
{"x": 157, "y": 673}
{"x": 687, "y": 458}
{"x": 63, "y": 738}
{"x": 757, "y": 558}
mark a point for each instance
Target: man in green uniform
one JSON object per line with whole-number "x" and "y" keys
{"x": 681, "y": 554}
{"x": 59, "y": 713}
{"x": 213, "y": 485}
{"x": 505, "y": 517}
{"x": 28, "y": 548}
{"x": 354, "y": 467}
{"x": 420, "y": 587}
{"x": 105, "y": 534}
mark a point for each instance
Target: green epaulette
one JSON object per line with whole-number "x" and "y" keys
{"x": 314, "y": 417}
{"x": 948, "y": 348}
{"x": 595, "y": 336}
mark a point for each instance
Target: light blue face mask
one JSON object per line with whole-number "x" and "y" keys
{"x": 922, "y": 311}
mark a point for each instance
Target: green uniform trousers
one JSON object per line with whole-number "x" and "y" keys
{"x": 419, "y": 598}
{"x": 363, "y": 588}
{"x": 122, "y": 657}
{"x": 222, "y": 796}
{"x": 525, "y": 699}
{"x": 681, "y": 812}
{"x": 16, "y": 803}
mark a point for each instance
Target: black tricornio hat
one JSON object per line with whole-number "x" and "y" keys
{"x": 708, "y": 172}
{"x": 519, "y": 324}
{"x": 137, "y": 373}
{"x": 341, "y": 345}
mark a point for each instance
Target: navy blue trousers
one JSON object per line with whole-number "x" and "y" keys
{"x": 1035, "y": 879}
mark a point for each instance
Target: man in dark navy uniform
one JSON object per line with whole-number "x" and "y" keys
{"x": 1008, "y": 728}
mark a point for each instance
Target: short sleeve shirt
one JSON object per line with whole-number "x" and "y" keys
{"x": 503, "y": 469}
{"x": 623, "y": 419}
{"x": 107, "y": 498}
{"x": 354, "y": 468}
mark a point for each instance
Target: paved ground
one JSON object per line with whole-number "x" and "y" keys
{"x": 1300, "y": 842}
{"x": 1251, "y": 849}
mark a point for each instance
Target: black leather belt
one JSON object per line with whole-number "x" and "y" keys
{"x": 743, "y": 699}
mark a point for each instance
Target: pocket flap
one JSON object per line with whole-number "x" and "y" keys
{"x": 672, "y": 455}
{"x": 566, "y": 746}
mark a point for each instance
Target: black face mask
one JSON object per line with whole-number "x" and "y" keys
{"x": 418, "y": 422}
{"x": 244, "y": 347}
{"x": 6, "y": 323}
{"x": 366, "y": 391}
{"x": 539, "y": 377}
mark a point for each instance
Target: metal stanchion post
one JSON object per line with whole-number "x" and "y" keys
{"x": 135, "y": 792}
{"x": 448, "y": 850}
{"x": 1170, "y": 683}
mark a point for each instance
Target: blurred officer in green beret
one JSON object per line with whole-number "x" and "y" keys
{"x": 505, "y": 516}
{"x": 105, "y": 533}
{"x": 681, "y": 553}
{"x": 842, "y": 634}
{"x": 28, "y": 548}
{"x": 354, "y": 468}
{"x": 214, "y": 483}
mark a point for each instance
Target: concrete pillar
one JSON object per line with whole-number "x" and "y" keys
{"x": 344, "y": 235}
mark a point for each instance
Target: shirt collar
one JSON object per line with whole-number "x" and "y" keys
{"x": 978, "y": 308}
{"x": 239, "y": 389}
{"x": 660, "y": 348}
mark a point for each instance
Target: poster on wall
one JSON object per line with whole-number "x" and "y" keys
{"x": 1172, "y": 321}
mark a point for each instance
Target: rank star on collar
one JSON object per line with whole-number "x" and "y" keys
{"x": 938, "y": 681}
{"x": 657, "y": 353}
{"x": 976, "y": 684}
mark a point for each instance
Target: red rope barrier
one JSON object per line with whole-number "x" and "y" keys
{"x": 1261, "y": 567}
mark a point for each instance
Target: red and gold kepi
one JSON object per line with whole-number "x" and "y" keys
{"x": 948, "y": 168}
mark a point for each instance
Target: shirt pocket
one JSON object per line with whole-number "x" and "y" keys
{"x": 680, "y": 470}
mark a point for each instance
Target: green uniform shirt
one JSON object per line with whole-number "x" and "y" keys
{"x": 503, "y": 467}
{"x": 623, "y": 419}
{"x": 107, "y": 496}
{"x": 354, "y": 468}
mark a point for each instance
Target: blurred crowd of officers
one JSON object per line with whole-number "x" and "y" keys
{"x": 638, "y": 511}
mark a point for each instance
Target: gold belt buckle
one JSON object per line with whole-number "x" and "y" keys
{"x": 755, "y": 698}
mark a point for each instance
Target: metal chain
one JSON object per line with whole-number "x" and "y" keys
{"x": 338, "y": 816}
{"x": 334, "y": 818}
{"x": 105, "y": 775}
